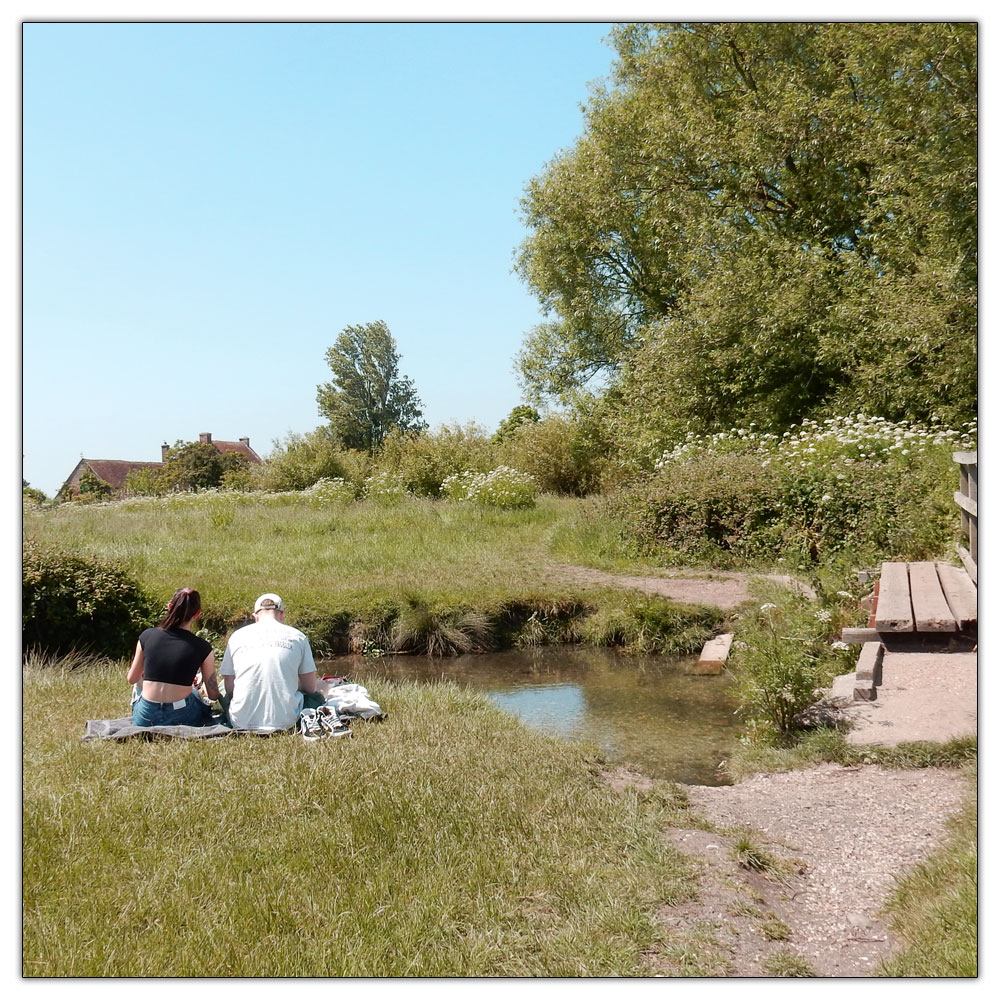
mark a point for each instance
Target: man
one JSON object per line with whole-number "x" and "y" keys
{"x": 269, "y": 670}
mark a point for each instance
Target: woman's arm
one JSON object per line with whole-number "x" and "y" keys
{"x": 134, "y": 674}
{"x": 208, "y": 676}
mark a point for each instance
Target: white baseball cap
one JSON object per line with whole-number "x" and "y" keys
{"x": 272, "y": 602}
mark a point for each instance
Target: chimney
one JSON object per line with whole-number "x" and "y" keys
{"x": 205, "y": 438}
{"x": 245, "y": 441}
{"x": 164, "y": 448}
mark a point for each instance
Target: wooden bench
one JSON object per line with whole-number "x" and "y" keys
{"x": 920, "y": 600}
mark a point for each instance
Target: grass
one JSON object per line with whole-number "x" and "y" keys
{"x": 424, "y": 575}
{"x": 448, "y": 841}
{"x": 935, "y": 910}
{"x": 826, "y": 744}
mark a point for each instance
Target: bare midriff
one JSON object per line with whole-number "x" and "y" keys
{"x": 161, "y": 691}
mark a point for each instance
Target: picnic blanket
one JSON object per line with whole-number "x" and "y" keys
{"x": 124, "y": 729}
{"x": 347, "y": 700}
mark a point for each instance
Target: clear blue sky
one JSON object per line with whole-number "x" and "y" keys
{"x": 205, "y": 206}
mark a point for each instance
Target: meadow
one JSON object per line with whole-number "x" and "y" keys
{"x": 450, "y": 840}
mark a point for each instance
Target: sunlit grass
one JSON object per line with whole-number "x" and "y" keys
{"x": 935, "y": 909}
{"x": 447, "y": 841}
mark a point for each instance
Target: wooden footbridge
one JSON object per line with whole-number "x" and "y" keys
{"x": 925, "y": 606}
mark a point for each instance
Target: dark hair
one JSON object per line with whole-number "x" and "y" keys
{"x": 183, "y": 606}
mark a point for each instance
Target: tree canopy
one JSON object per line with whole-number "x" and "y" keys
{"x": 763, "y": 222}
{"x": 367, "y": 397}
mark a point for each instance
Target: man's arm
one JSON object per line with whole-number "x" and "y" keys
{"x": 307, "y": 669}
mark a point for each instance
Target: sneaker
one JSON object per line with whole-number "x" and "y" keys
{"x": 331, "y": 722}
{"x": 309, "y": 725}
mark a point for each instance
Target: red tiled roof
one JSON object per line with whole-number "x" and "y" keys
{"x": 244, "y": 449}
{"x": 114, "y": 471}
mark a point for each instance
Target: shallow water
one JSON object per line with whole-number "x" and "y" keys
{"x": 641, "y": 710}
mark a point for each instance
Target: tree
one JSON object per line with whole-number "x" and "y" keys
{"x": 513, "y": 420}
{"x": 92, "y": 487}
{"x": 196, "y": 465}
{"x": 29, "y": 493}
{"x": 764, "y": 221}
{"x": 367, "y": 397}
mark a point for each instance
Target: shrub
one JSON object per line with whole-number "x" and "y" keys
{"x": 72, "y": 602}
{"x": 301, "y": 460}
{"x": 561, "y": 453}
{"x": 385, "y": 488}
{"x": 501, "y": 487}
{"x": 781, "y": 660}
{"x": 329, "y": 493}
{"x": 425, "y": 460}
{"x": 859, "y": 484}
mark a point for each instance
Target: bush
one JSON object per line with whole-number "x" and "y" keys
{"x": 385, "y": 488}
{"x": 301, "y": 460}
{"x": 501, "y": 487}
{"x": 425, "y": 460}
{"x": 562, "y": 454}
{"x": 851, "y": 484}
{"x": 782, "y": 659}
{"x": 329, "y": 493}
{"x": 71, "y": 602}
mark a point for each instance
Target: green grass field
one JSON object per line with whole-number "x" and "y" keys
{"x": 366, "y": 570}
{"x": 446, "y": 841}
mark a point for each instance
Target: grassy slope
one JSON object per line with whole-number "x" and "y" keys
{"x": 339, "y": 556}
{"x": 447, "y": 841}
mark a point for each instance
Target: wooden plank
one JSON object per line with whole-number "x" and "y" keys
{"x": 965, "y": 457}
{"x": 968, "y": 505}
{"x": 894, "y": 612}
{"x": 960, "y": 593}
{"x": 930, "y": 609}
{"x": 969, "y": 563}
{"x": 857, "y": 636}
{"x": 713, "y": 656}
{"x": 868, "y": 671}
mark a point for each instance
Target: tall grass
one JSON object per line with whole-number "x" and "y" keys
{"x": 447, "y": 841}
{"x": 418, "y": 575}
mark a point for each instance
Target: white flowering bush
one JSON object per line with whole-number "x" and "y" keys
{"x": 502, "y": 487}
{"x": 385, "y": 488}
{"x": 862, "y": 484}
{"x": 840, "y": 442}
{"x": 456, "y": 486}
{"x": 329, "y": 492}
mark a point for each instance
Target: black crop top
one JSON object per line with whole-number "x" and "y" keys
{"x": 172, "y": 655}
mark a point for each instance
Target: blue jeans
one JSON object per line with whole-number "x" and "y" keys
{"x": 194, "y": 712}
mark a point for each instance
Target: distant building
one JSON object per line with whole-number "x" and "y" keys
{"x": 115, "y": 471}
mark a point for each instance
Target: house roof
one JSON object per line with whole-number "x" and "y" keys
{"x": 244, "y": 449}
{"x": 114, "y": 471}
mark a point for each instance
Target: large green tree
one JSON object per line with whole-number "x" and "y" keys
{"x": 763, "y": 221}
{"x": 367, "y": 397}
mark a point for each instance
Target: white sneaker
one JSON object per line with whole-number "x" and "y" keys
{"x": 331, "y": 722}
{"x": 309, "y": 725}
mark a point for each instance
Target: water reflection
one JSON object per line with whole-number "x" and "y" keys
{"x": 644, "y": 711}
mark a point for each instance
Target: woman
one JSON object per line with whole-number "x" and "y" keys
{"x": 167, "y": 658}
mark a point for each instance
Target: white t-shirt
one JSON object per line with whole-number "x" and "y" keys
{"x": 266, "y": 659}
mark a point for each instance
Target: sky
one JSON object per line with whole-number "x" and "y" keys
{"x": 207, "y": 205}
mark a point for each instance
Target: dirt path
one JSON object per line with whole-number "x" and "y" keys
{"x": 839, "y": 837}
{"x": 716, "y": 588}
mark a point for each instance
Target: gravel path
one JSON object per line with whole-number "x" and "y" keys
{"x": 718, "y": 588}
{"x": 846, "y": 834}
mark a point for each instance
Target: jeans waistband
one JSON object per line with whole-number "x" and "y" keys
{"x": 176, "y": 705}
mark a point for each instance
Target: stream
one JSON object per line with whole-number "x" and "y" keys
{"x": 640, "y": 710}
